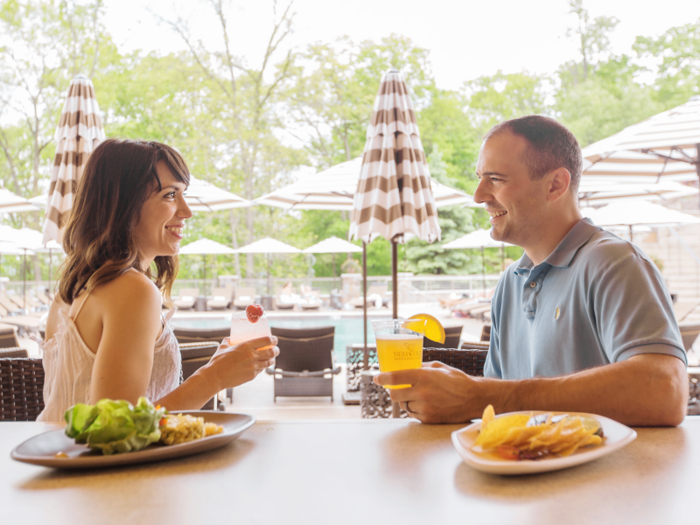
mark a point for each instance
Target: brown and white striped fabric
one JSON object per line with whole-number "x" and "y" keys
{"x": 663, "y": 147}
{"x": 79, "y": 131}
{"x": 393, "y": 197}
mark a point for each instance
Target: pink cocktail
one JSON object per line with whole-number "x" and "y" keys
{"x": 248, "y": 325}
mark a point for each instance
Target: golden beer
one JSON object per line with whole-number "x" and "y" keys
{"x": 399, "y": 352}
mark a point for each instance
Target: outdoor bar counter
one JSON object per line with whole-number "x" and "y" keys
{"x": 337, "y": 472}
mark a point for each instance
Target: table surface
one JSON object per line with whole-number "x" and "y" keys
{"x": 336, "y": 472}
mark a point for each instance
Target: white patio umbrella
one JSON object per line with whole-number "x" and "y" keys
{"x": 639, "y": 213}
{"x": 335, "y": 188}
{"x": 12, "y": 203}
{"x": 206, "y": 247}
{"x": 595, "y": 192}
{"x": 268, "y": 246}
{"x": 333, "y": 245}
{"x": 204, "y": 196}
{"x": 78, "y": 132}
{"x": 665, "y": 146}
{"x": 477, "y": 239}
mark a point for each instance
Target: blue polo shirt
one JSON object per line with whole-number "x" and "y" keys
{"x": 597, "y": 299}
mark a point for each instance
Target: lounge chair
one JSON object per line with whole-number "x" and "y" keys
{"x": 9, "y": 305}
{"x": 286, "y": 301}
{"x": 22, "y": 398}
{"x": 221, "y": 298}
{"x": 44, "y": 298}
{"x": 376, "y": 296}
{"x": 306, "y": 363}
{"x": 32, "y": 304}
{"x": 243, "y": 297}
{"x": 187, "y": 298}
{"x": 310, "y": 299}
{"x": 201, "y": 335}
{"x": 452, "y": 336}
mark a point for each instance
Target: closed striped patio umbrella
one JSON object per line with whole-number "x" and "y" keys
{"x": 393, "y": 197}
{"x": 79, "y": 131}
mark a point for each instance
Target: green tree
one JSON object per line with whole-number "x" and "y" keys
{"x": 677, "y": 57}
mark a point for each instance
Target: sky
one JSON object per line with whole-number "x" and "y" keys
{"x": 466, "y": 38}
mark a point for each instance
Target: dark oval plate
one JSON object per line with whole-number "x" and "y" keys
{"x": 42, "y": 449}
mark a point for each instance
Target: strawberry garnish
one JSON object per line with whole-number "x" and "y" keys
{"x": 254, "y": 312}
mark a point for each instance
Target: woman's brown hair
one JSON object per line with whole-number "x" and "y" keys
{"x": 119, "y": 177}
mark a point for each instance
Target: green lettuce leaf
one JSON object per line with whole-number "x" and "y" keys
{"x": 114, "y": 427}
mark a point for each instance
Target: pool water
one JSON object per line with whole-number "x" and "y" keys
{"x": 348, "y": 330}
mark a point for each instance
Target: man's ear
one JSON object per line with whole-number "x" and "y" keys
{"x": 559, "y": 181}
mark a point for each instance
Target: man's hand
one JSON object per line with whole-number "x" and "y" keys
{"x": 439, "y": 393}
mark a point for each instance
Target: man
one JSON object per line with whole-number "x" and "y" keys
{"x": 582, "y": 322}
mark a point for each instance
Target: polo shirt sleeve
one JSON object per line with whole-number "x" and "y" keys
{"x": 632, "y": 308}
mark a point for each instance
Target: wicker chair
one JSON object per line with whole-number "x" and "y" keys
{"x": 452, "y": 337}
{"x": 8, "y": 338}
{"x": 306, "y": 364}
{"x": 194, "y": 356}
{"x": 201, "y": 335}
{"x": 21, "y": 389}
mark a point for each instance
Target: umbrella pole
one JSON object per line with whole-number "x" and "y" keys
{"x": 394, "y": 279}
{"x": 50, "y": 260}
{"x": 483, "y": 272}
{"x": 24, "y": 279}
{"x": 365, "y": 350}
{"x": 204, "y": 274}
{"x": 269, "y": 275}
{"x": 631, "y": 236}
{"x": 335, "y": 282}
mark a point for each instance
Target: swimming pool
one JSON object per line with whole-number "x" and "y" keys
{"x": 348, "y": 330}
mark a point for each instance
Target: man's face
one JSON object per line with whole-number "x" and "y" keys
{"x": 515, "y": 202}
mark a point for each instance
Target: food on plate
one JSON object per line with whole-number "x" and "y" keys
{"x": 181, "y": 428}
{"x": 254, "y": 312}
{"x": 432, "y": 329}
{"x": 523, "y": 436}
{"x": 117, "y": 427}
{"x": 114, "y": 427}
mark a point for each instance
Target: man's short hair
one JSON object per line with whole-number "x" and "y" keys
{"x": 550, "y": 146}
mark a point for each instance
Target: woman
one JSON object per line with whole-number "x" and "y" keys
{"x": 105, "y": 335}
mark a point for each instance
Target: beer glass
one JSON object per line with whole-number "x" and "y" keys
{"x": 399, "y": 344}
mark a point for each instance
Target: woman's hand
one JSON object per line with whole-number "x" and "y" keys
{"x": 232, "y": 366}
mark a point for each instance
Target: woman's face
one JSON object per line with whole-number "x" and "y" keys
{"x": 162, "y": 220}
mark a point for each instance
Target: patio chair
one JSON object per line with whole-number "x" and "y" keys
{"x": 21, "y": 389}
{"x": 306, "y": 363}
{"x": 201, "y": 335}
{"x": 485, "y": 333}
{"x": 193, "y": 357}
{"x": 221, "y": 298}
{"x": 8, "y": 338}
{"x": 243, "y": 297}
{"x": 187, "y": 298}
{"x": 452, "y": 336}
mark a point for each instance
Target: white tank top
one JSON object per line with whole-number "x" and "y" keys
{"x": 68, "y": 364}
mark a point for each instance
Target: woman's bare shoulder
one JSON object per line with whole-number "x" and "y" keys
{"x": 131, "y": 289}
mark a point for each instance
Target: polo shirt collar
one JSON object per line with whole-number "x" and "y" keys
{"x": 565, "y": 251}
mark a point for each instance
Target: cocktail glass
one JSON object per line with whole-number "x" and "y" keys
{"x": 243, "y": 330}
{"x": 399, "y": 344}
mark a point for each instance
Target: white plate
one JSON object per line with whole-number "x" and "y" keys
{"x": 616, "y": 436}
{"x": 42, "y": 449}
